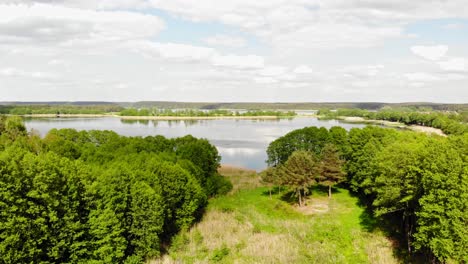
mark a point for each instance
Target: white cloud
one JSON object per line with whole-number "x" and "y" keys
{"x": 51, "y": 23}
{"x": 265, "y": 80}
{"x": 85, "y": 49}
{"x": 181, "y": 52}
{"x": 238, "y": 62}
{"x": 14, "y": 72}
{"x": 272, "y": 71}
{"x": 454, "y": 64}
{"x": 362, "y": 71}
{"x": 430, "y": 52}
{"x": 226, "y": 41}
{"x": 302, "y": 69}
{"x": 421, "y": 77}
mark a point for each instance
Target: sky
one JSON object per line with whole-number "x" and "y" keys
{"x": 234, "y": 50}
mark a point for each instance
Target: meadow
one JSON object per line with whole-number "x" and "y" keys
{"x": 249, "y": 226}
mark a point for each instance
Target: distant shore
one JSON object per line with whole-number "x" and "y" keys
{"x": 68, "y": 115}
{"x": 423, "y": 129}
{"x": 196, "y": 117}
{"x": 152, "y": 117}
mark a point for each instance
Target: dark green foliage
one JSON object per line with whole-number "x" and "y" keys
{"x": 299, "y": 173}
{"x": 57, "y": 109}
{"x": 218, "y": 185}
{"x": 416, "y": 182}
{"x": 97, "y": 197}
{"x": 43, "y": 211}
{"x": 331, "y": 171}
{"x": 311, "y": 139}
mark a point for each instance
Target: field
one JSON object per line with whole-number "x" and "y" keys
{"x": 249, "y": 226}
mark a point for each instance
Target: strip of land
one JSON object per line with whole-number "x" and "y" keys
{"x": 195, "y": 117}
{"x": 424, "y": 129}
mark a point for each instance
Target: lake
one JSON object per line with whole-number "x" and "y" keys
{"x": 240, "y": 142}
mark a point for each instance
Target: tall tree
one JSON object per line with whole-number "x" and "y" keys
{"x": 331, "y": 171}
{"x": 270, "y": 178}
{"x": 299, "y": 173}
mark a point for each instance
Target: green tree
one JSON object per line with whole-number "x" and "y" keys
{"x": 443, "y": 212}
{"x": 331, "y": 171}
{"x": 270, "y": 177}
{"x": 299, "y": 173}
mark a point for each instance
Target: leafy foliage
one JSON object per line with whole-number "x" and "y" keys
{"x": 416, "y": 181}
{"x": 299, "y": 173}
{"x": 97, "y": 197}
{"x": 449, "y": 122}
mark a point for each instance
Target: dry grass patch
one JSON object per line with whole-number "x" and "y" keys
{"x": 241, "y": 179}
{"x": 316, "y": 205}
{"x": 380, "y": 250}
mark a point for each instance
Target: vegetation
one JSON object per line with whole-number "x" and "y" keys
{"x": 247, "y": 226}
{"x": 450, "y": 123}
{"x": 97, "y": 197}
{"x": 56, "y": 109}
{"x": 293, "y": 106}
{"x": 200, "y": 113}
{"x": 331, "y": 171}
{"x": 415, "y": 182}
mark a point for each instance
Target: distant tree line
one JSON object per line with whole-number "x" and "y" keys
{"x": 59, "y": 109}
{"x": 201, "y": 113}
{"x": 450, "y": 123}
{"x": 97, "y": 197}
{"x": 416, "y": 183}
{"x": 293, "y": 106}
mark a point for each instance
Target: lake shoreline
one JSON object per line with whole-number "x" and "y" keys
{"x": 417, "y": 128}
{"x": 347, "y": 119}
{"x": 152, "y": 117}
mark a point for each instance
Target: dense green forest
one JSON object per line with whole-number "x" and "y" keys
{"x": 97, "y": 197}
{"x": 414, "y": 183}
{"x": 450, "y": 123}
{"x": 58, "y": 109}
{"x": 200, "y": 113}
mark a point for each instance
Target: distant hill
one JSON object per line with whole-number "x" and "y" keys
{"x": 303, "y": 105}
{"x": 59, "y": 103}
{"x": 256, "y": 105}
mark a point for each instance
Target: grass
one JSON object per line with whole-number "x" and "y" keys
{"x": 248, "y": 226}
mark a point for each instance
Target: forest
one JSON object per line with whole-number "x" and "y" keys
{"x": 58, "y": 109}
{"x": 413, "y": 183}
{"x": 201, "y": 113}
{"x": 97, "y": 197}
{"x": 449, "y": 122}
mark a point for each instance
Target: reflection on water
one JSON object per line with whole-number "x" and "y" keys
{"x": 240, "y": 142}
{"x": 154, "y": 123}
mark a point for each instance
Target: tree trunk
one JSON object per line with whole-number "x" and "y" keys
{"x": 329, "y": 191}
{"x": 408, "y": 230}
{"x": 270, "y": 192}
{"x": 300, "y": 199}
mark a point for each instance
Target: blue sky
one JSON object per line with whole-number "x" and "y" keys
{"x": 238, "y": 50}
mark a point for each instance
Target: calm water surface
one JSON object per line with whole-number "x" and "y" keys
{"x": 240, "y": 142}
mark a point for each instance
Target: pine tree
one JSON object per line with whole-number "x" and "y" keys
{"x": 299, "y": 173}
{"x": 331, "y": 171}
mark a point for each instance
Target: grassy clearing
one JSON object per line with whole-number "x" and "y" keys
{"x": 249, "y": 227}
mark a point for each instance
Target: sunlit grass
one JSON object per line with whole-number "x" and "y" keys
{"x": 250, "y": 227}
